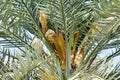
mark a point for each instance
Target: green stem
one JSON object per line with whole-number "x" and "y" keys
{"x": 68, "y": 56}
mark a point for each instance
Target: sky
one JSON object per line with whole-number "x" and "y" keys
{"x": 106, "y": 52}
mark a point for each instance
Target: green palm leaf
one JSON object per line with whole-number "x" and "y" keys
{"x": 97, "y": 22}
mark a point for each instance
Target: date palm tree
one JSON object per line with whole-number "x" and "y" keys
{"x": 59, "y": 39}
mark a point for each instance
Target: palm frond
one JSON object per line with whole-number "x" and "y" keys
{"x": 80, "y": 27}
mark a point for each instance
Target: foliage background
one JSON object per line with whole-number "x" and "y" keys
{"x": 20, "y": 31}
